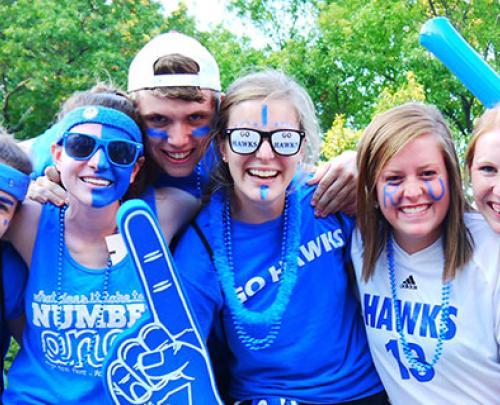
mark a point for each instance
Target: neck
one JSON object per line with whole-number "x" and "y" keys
{"x": 256, "y": 212}
{"x": 92, "y": 221}
{"x": 414, "y": 244}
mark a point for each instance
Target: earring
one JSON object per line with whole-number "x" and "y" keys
{"x": 224, "y": 158}
{"x": 376, "y": 205}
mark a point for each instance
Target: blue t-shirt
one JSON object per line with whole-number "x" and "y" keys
{"x": 320, "y": 354}
{"x": 14, "y": 272}
{"x": 60, "y": 362}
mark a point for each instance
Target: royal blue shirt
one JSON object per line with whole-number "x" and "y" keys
{"x": 320, "y": 353}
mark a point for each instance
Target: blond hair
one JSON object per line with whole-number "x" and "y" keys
{"x": 384, "y": 137}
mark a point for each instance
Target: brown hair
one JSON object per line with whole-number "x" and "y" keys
{"x": 384, "y": 137}
{"x": 177, "y": 64}
{"x": 489, "y": 121}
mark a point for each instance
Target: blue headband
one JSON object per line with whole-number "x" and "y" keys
{"x": 95, "y": 114}
{"x": 13, "y": 182}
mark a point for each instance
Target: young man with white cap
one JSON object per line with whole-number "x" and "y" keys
{"x": 175, "y": 83}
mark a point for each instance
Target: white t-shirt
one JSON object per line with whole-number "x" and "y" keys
{"x": 468, "y": 371}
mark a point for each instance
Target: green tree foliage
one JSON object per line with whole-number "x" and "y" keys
{"x": 51, "y": 48}
{"x": 358, "y": 48}
{"x": 339, "y": 138}
{"x": 409, "y": 91}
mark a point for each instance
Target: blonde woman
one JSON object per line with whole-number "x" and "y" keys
{"x": 428, "y": 276}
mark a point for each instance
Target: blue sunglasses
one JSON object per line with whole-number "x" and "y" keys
{"x": 119, "y": 152}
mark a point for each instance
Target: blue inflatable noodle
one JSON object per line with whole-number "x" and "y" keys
{"x": 440, "y": 38}
{"x": 162, "y": 359}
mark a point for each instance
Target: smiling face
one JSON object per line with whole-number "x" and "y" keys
{"x": 413, "y": 193}
{"x": 95, "y": 181}
{"x": 177, "y": 133}
{"x": 263, "y": 167}
{"x": 485, "y": 177}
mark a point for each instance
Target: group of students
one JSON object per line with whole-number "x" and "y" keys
{"x": 294, "y": 301}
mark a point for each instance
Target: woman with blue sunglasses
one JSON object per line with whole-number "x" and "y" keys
{"x": 82, "y": 291}
{"x": 273, "y": 275}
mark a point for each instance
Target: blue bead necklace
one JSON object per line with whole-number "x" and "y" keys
{"x": 420, "y": 366}
{"x": 198, "y": 180}
{"x": 223, "y": 260}
{"x": 60, "y": 265}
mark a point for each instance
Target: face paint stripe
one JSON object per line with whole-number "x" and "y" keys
{"x": 430, "y": 190}
{"x": 389, "y": 194}
{"x": 201, "y": 131}
{"x": 157, "y": 133}
{"x": 7, "y": 201}
{"x": 264, "y": 189}
{"x": 264, "y": 115}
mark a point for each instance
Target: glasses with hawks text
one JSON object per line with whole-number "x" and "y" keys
{"x": 119, "y": 152}
{"x": 284, "y": 142}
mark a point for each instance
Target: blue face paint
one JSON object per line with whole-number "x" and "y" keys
{"x": 5, "y": 200}
{"x": 157, "y": 133}
{"x": 201, "y": 131}
{"x": 389, "y": 194}
{"x": 264, "y": 190}
{"x": 431, "y": 191}
{"x": 6, "y": 222}
{"x": 118, "y": 176}
{"x": 264, "y": 115}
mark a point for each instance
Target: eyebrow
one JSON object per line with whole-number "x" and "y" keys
{"x": 6, "y": 200}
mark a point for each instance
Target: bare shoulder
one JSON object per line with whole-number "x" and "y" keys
{"x": 24, "y": 227}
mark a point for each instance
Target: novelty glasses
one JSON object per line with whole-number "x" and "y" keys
{"x": 284, "y": 142}
{"x": 119, "y": 152}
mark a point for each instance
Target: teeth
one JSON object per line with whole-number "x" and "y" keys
{"x": 414, "y": 210}
{"x": 263, "y": 173}
{"x": 96, "y": 181}
{"x": 496, "y": 207}
{"x": 178, "y": 155}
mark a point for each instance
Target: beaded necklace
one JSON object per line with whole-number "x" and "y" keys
{"x": 420, "y": 366}
{"x": 223, "y": 261}
{"x": 198, "y": 180}
{"x": 60, "y": 265}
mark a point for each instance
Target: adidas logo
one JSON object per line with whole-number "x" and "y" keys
{"x": 409, "y": 283}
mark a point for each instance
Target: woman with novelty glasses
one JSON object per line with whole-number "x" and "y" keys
{"x": 272, "y": 272}
{"x": 80, "y": 294}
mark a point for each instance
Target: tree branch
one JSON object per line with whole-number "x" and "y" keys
{"x": 8, "y": 95}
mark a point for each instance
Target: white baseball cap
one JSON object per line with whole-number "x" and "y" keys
{"x": 141, "y": 72}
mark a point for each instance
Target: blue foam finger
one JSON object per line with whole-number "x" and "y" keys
{"x": 440, "y": 38}
{"x": 174, "y": 358}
